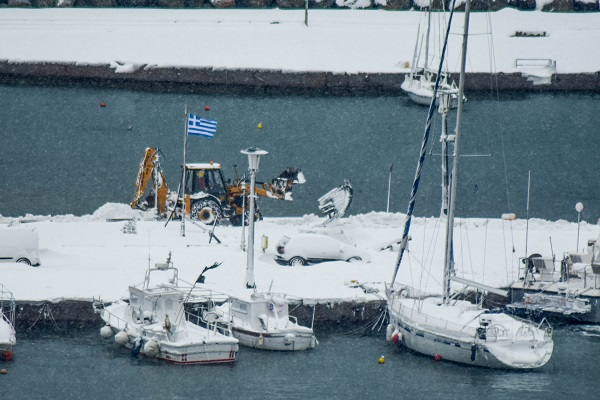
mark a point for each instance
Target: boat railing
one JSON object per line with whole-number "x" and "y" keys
{"x": 7, "y": 305}
{"x": 210, "y": 320}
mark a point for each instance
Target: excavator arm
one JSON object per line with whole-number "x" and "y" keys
{"x": 149, "y": 171}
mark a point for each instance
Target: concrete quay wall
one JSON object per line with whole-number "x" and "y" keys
{"x": 208, "y": 80}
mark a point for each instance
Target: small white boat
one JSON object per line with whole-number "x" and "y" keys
{"x": 8, "y": 336}
{"x": 155, "y": 323}
{"x": 263, "y": 322}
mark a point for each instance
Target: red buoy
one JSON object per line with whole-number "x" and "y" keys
{"x": 103, "y": 104}
{"x": 395, "y": 337}
{"x": 7, "y": 356}
{"x": 438, "y": 357}
{"x": 207, "y": 108}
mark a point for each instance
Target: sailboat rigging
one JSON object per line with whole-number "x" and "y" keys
{"x": 444, "y": 326}
{"x": 420, "y": 82}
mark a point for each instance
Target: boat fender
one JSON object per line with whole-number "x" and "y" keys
{"x": 261, "y": 340}
{"x": 396, "y": 337}
{"x": 151, "y": 348}
{"x": 473, "y": 352}
{"x": 313, "y": 342}
{"x": 136, "y": 347}
{"x": 289, "y": 338}
{"x": 106, "y": 332}
{"x": 122, "y": 338}
{"x": 388, "y": 332}
{"x": 438, "y": 357}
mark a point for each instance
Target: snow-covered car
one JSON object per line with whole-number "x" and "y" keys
{"x": 308, "y": 248}
{"x": 19, "y": 245}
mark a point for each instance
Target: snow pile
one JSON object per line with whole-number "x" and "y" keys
{"x": 91, "y": 256}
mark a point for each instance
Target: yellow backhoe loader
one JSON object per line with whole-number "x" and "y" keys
{"x": 208, "y": 195}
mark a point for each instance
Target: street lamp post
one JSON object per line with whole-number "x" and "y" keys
{"x": 579, "y": 208}
{"x": 253, "y": 161}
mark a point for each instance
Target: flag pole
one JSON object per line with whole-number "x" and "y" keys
{"x": 185, "y": 134}
{"x": 389, "y": 187}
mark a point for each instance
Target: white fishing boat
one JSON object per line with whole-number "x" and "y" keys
{"x": 8, "y": 335}
{"x": 420, "y": 82}
{"x": 447, "y": 326}
{"x": 262, "y": 321}
{"x": 154, "y": 322}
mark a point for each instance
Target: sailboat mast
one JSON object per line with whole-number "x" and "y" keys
{"x": 426, "y": 63}
{"x": 449, "y": 262}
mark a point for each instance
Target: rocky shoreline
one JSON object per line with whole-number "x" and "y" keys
{"x": 477, "y": 5}
{"x": 260, "y": 82}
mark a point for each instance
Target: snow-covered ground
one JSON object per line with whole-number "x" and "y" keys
{"x": 340, "y": 41}
{"x": 89, "y": 256}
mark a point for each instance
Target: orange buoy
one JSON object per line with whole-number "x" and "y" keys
{"x": 206, "y": 108}
{"x": 102, "y": 104}
{"x": 438, "y": 357}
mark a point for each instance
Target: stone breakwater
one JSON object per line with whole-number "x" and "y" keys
{"x": 69, "y": 315}
{"x": 207, "y": 80}
{"x": 477, "y": 5}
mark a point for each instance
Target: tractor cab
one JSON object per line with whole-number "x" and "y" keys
{"x": 205, "y": 178}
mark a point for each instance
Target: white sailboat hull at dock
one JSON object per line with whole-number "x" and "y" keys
{"x": 463, "y": 333}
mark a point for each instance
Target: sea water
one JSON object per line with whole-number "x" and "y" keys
{"x": 50, "y": 365}
{"x": 63, "y": 153}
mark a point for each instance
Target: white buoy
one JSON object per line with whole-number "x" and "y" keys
{"x": 122, "y": 338}
{"x": 106, "y": 332}
{"x": 388, "y": 332}
{"x": 289, "y": 338}
{"x": 151, "y": 348}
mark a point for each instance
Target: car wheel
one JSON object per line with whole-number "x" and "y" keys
{"x": 294, "y": 261}
{"x": 354, "y": 259}
{"x": 24, "y": 261}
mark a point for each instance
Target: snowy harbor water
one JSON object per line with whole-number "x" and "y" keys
{"x": 83, "y": 365}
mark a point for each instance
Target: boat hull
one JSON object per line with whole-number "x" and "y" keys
{"x": 520, "y": 346}
{"x": 279, "y": 341}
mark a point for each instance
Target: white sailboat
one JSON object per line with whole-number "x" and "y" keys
{"x": 419, "y": 83}
{"x": 449, "y": 328}
{"x": 155, "y": 323}
{"x": 8, "y": 335}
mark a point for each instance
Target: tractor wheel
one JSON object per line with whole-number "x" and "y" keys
{"x": 206, "y": 211}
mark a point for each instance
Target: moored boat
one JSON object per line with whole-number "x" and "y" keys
{"x": 8, "y": 335}
{"x": 154, "y": 322}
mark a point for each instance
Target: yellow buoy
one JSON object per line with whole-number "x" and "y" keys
{"x": 381, "y": 360}
{"x": 260, "y": 125}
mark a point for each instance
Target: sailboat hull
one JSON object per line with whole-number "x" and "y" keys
{"x": 512, "y": 345}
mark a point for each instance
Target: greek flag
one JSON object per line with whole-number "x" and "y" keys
{"x": 201, "y": 127}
